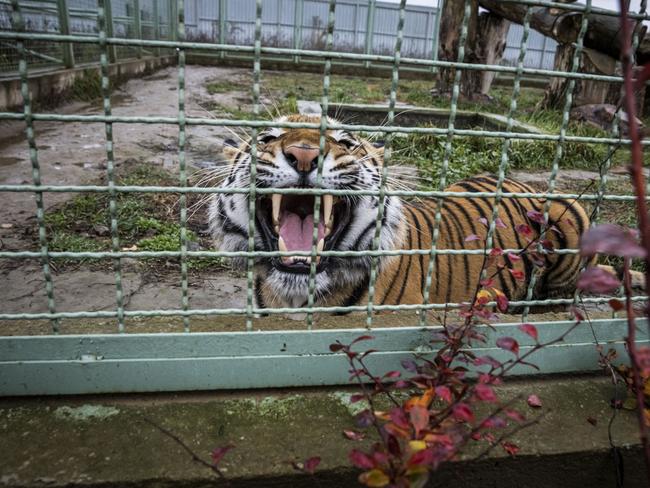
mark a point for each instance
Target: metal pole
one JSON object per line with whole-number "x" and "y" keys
{"x": 541, "y": 59}
{"x": 370, "y": 28}
{"x": 64, "y": 29}
{"x": 137, "y": 27}
{"x": 297, "y": 27}
{"x": 108, "y": 14}
{"x": 223, "y": 14}
{"x": 156, "y": 25}
{"x": 436, "y": 34}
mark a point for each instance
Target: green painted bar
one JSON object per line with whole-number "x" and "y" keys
{"x": 200, "y": 361}
{"x": 137, "y": 25}
{"x": 64, "y": 28}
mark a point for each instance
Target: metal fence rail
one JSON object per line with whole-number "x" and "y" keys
{"x": 362, "y": 27}
{"x": 25, "y": 361}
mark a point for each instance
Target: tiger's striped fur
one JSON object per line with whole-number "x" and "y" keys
{"x": 356, "y": 164}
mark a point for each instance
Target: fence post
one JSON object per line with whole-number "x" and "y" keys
{"x": 108, "y": 14}
{"x": 223, "y": 13}
{"x": 64, "y": 29}
{"x": 297, "y": 27}
{"x": 137, "y": 26}
{"x": 436, "y": 35}
{"x": 543, "y": 56}
{"x": 173, "y": 20}
{"x": 370, "y": 29}
{"x": 156, "y": 26}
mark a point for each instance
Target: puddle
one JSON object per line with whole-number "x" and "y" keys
{"x": 8, "y": 160}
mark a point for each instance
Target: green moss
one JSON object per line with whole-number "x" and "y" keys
{"x": 88, "y": 86}
{"x": 225, "y": 86}
{"x": 148, "y": 221}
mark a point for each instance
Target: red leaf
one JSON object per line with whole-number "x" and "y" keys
{"x": 514, "y": 415}
{"x": 616, "y": 304}
{"x": 483, "y": 221}
{"x": 514, "y": 257}
{"x": 363, "y": 419}
{"x": 409, "y": 365}
{"x": 419, "y": 418}
{"x": 597, "y": 280}
{"x": 523, "y": 229}
{"x": 497, "y": 251}
{"x": 509, "y": 344}
{"x": 218, "y": 453}
{"x": 463, "y": 412}
{"x": 529, "y": 329}
{"x": 510, "y": 448}
{"x": 354, "y": 435}
{"x": 499, "y": 223}
{"x": 393, "y": 374}
{"x": 444, "y": 392}
{"x": 361, "y": 459}
{"x": 502, "y": 302}
{"x": 610, "y": 239}
{"x": 472, "y": 237}
{"x": 536, "y": 216}
{"x": 494, "y": 423}
{"x": 421, "y": 458}
{"x": 362, "y": 338}
{"x": 485, "y": 393}
{"x": 534, "y": 401}
{"x": 336, "y": 347}
{"x": 398, "y": 416}
{"x": 311, "y": 464}
{"x": 517, "y": 274}
{"x": 489, "y": 360}
{"x": 357, "y": 398}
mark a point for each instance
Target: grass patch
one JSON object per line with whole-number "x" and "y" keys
{"x": 473, "y": 155}
{"x": 146, "y": 222}
{"x": 87, "y": 87}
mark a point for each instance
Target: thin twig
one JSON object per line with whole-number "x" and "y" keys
{"x": 179, "y": 441}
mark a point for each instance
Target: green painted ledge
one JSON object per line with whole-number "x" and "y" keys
{"x": 103, "y": 441}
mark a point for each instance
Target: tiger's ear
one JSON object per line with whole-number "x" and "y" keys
{"x": 230, "y": 149}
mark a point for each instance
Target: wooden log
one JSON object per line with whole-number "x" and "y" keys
{"x": 586, "y": 92}
{"x": 486, "y": 42}
{"x": 491, "y": 43}
{"x": 450, "y": 26}
{"x": 603, "y": 33}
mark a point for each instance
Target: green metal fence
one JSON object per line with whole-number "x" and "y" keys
{"x": 58, "y": 363}
{"x": 126, "y": 19}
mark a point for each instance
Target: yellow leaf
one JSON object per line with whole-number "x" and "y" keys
{"x": 416, "y": 446}
{"x": 375, "y": 478}
{"x": 483, "y": 294}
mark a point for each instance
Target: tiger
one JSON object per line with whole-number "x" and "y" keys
{"x": 288, "y": 158}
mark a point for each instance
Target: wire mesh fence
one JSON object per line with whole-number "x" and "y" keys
{"x": 133, "y": 33}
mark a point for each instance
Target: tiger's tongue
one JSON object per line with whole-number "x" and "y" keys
{"x": 298, "y": 233}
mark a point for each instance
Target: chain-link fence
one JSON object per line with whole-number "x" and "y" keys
{"x": 269, "y": 360}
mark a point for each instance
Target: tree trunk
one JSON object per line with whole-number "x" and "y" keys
{"x": 491, "y": 43}
{"x": 486, "y": 42}
{"x": 586, "y": 92}
{"x": 603, "y": 33}
{"x": 451, "y": 21}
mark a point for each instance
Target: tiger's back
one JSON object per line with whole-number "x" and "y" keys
{"x": 455, "y": 276}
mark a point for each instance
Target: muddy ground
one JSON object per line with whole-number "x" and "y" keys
{"x": 74, "y": 154}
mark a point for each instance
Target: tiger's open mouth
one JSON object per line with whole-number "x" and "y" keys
{"x": 287, "y": 222}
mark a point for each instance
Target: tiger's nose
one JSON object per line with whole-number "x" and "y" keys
{"x": 303, "y": 158}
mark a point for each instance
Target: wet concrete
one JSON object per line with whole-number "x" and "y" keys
{"x": 75, "y": 154}
{"x": 107, "y": 441}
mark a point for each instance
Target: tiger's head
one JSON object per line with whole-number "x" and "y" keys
{"x": 288, "y": 158}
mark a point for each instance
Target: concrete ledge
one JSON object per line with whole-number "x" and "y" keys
{"x": 104, "y": 441}
{"x": 48, "y": 86}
